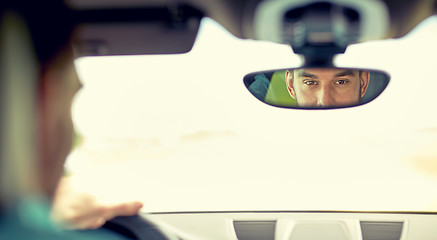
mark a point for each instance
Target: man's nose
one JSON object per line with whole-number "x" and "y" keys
{"x": 325, "y": 97}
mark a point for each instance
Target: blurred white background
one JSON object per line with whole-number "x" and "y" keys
{"x": 182, "y": 133}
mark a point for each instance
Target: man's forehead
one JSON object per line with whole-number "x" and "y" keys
{"x": 314, "y": 72}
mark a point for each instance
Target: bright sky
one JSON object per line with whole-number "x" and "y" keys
{"x": 181, "y": 132}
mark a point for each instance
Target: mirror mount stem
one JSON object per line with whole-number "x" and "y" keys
{"x": 320, "y": 30}
{"x": 317, "y": 61}
{"x": 318, "y": 54}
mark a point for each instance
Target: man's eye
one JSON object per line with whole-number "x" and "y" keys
{"x": 341, "y": 81}
{"x": 310, "y": 82}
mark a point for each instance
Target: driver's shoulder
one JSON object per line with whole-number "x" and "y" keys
{"x": 30, "y": 219}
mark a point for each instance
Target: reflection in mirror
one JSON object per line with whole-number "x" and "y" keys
{"x": 317, "y": 87}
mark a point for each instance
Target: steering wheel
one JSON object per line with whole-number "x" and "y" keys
{"x": 136, "y": 228}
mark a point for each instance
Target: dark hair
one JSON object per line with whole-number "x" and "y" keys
{"x": 50, "y": 23}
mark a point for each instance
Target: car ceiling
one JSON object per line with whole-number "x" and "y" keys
{"x": 237, "y": 15}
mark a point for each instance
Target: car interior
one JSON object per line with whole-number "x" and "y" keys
{"x": 320, "y": 32}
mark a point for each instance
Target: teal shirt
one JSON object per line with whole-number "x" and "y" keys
{"x": 30, "y": 219}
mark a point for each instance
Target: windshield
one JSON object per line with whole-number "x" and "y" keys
{"x": 181, "y": 132}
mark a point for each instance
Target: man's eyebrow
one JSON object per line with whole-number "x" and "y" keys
{"x": 306, "y": 75}
{"x": 345, "y": 73}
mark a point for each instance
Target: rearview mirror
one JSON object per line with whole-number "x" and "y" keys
{"x": 315, "y": 88}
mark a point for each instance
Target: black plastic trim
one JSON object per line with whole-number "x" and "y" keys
{"x": 300, "y": 211}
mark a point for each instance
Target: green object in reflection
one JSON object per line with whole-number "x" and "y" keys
{"x": 277, "y": 93}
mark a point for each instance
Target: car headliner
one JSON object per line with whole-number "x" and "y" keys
{"x": 237, "y": 15}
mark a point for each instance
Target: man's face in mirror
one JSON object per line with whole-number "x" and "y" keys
{"x": 327, "y": 87}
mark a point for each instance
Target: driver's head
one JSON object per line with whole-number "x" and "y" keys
{"x": 326, "y": 87}
{"x": 50, "y": 24}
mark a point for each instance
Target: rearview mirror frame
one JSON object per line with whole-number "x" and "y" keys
{"x": 271, "y": 87}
